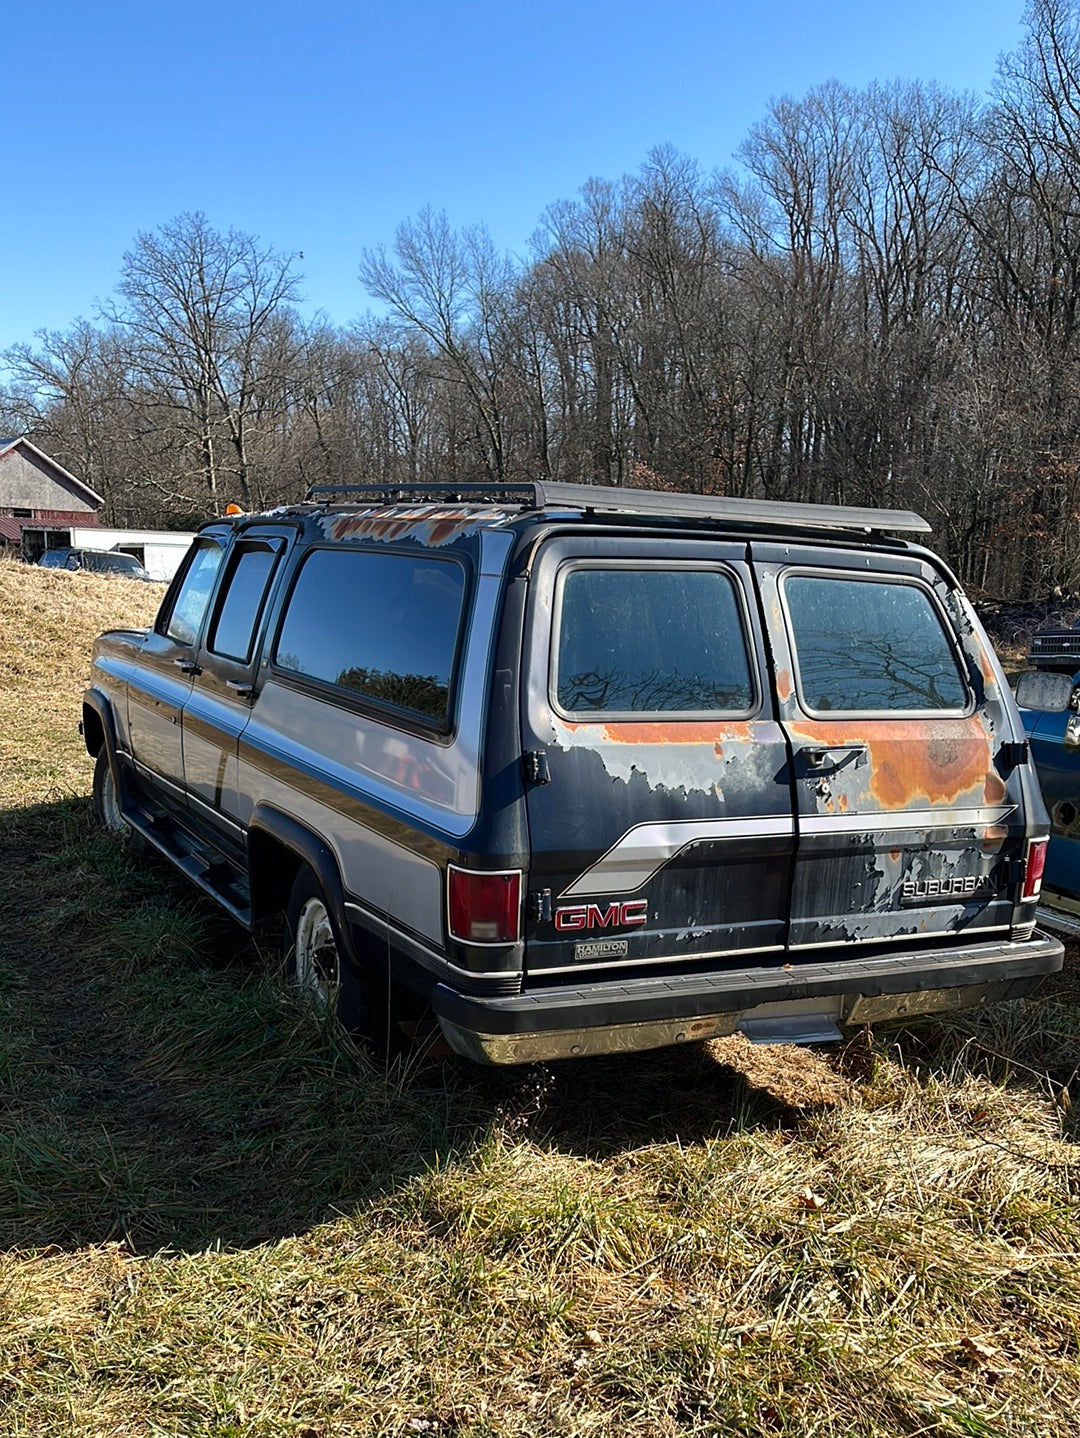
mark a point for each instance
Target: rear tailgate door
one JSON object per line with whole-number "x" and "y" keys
{"x": 659, "y": 792}
{"x": 910, "y": 820}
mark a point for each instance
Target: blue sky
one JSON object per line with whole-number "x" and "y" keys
{"x": 319, "y": 126}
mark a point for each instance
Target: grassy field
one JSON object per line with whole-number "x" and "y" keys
{"x": 217, "y": 1220}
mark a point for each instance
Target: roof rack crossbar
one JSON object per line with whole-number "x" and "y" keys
{"x": 525, "y": 493}
{"x": 609, "y": 499}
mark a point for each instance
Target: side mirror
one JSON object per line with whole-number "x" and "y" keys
{"x": 1049, "y": 693}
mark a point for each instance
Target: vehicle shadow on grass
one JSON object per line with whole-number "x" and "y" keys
{"x": 160, "y": 1087}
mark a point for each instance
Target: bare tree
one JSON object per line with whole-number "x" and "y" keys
{"x": 198, "y": 307}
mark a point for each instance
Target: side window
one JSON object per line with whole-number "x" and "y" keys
{"x": 871, "y": 646}
{"x": 651, "y": 641}
{"x": 251, "y": 569}
{"x": 383, "y": 626}
{"x": 193, "y": 597}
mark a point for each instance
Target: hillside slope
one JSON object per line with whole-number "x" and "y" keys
{"x": 48, "y": 621}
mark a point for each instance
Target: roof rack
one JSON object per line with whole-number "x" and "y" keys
{"x": 608, "y": 499}
{"x": 603, "y": 499}
{"x": 526, "y": 493}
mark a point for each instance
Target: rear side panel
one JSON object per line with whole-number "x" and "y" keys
{"x": 662, "y": 836}
{"x": 911, "y": 815}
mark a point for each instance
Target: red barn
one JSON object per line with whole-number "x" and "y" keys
{"x": 39, "y": 500}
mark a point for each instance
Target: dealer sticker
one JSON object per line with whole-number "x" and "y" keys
{"x": 601, "y": 949}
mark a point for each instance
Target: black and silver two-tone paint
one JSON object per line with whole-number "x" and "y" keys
{"x": 593, "y": 770}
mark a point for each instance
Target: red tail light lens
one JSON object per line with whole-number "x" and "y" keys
{"x": 485, "y": 908}
{"x": 1033, "y": 870}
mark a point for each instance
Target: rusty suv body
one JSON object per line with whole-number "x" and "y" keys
{"x": 587, "y": 769}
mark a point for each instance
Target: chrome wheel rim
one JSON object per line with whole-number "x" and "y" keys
{"x": 318, "y": 967}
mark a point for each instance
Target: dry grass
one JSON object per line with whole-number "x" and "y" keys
{"x": 221, "y": 1223}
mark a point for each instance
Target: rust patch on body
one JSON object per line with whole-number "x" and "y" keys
{"x": 430, "y": 524}
{"x": 936, "y": 761}
{"x": 783, "y": 684}
{"x": 994, "y": 790}
{"x": 693, "y": 732}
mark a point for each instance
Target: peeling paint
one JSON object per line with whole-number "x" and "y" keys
{"x": 665, "y": 732}
{"x": 433, "y": 525}
{"x": 934, "y": 762}
{"x": 691, "y": 756}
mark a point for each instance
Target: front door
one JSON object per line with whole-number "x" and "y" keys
{"x": 161, "y": 681}
{"x": 218, "y": 706}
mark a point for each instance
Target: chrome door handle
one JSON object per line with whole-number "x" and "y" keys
{"x": 817, "y": 757}
{"x": 240, "y": 687}
{"x": 187, "y": 666}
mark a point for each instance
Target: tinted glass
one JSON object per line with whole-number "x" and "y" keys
{"x": 866, "y": 646}
{"x": 233, "y": 634}
{"x": 651, "y": 641}
{"x": 193, "y": 598}
{"x": 382, "y": 625}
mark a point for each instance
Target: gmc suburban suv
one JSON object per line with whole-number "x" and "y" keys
{"x": 585, "y": 769}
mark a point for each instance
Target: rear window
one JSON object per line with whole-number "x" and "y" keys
{"x": 381, "y": 626}
{"x": 871, "y": 646}
{"x": 646, "y": 640}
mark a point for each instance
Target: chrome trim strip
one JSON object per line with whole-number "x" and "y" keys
{"x": 158, "y": 778}
{"x": 983, "y": 817}
{"x": 902, "y": 938}
{"x": 538, "y": 973}
{"x": 219, "y": 815}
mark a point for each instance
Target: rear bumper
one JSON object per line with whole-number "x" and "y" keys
{"x": 622, "y": 1016}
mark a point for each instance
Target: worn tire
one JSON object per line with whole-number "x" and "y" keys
{"x": 106, "y": 799}
{"x": 330, "y": 984}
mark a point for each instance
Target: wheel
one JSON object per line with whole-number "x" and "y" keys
{"x": 330, "y": 985}
{"x": 106, "y": 799}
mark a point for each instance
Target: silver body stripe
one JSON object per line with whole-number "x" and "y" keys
{"x": 646, "y": 848}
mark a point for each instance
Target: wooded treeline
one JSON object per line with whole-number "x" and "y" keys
{"x": 881, "y": 306}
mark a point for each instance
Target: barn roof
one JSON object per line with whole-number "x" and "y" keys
{"x": 21, "y": 442}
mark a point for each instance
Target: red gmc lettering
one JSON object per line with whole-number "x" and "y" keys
{"x": 592, "y": 916}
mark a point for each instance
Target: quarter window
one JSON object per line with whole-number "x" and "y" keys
{"x": 383, "y": 626}
{"x": 870, "y": 646}
{"x": 193, "y": 597}
{"x": 251, "y": 570}
{"x": 651, "y": 641}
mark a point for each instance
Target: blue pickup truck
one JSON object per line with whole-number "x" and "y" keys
{"x": 1048, "y": 696}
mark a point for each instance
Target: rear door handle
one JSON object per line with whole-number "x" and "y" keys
{"x": 187, "y": 666}
{"x": 819, "y": 756}
{"x": 240, "y": 687}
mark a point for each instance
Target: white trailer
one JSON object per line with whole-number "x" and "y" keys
{"x": 159, "y": 551}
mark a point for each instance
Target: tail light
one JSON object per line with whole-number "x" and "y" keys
{"x": 1033, "y": 868}
{"x": 484, "y": 905}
